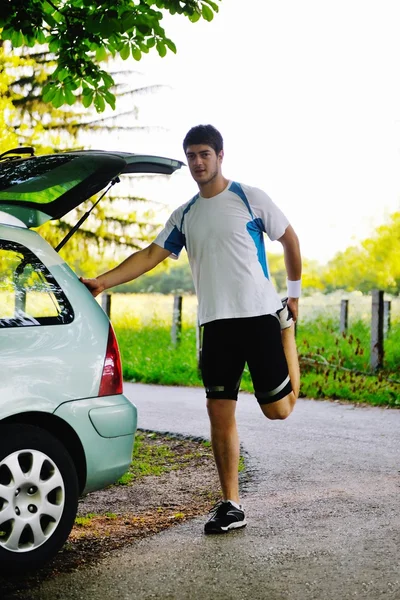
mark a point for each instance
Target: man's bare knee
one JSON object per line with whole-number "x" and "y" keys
{"x": 280, "y": 409}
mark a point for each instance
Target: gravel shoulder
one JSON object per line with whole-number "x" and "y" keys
{"x": 110, "y": 519}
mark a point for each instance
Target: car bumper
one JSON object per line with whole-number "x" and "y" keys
{"x": 106, "y": 427}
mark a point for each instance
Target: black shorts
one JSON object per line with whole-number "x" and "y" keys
{"x": 228, "y": 344}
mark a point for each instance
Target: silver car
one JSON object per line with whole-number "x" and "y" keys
{"x": 66, "y": 427}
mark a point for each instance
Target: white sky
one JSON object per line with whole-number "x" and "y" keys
{"x": 307, "y": 97}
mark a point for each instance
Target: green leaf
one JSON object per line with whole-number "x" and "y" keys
{"x": 49, "y": 20}
{"x": 54, "y": 44}
{"x": 151, "y": 42}
{"x": 108, "y": 26}
{"x": 143, "y": 47}
{"x": 101, "y": 53}
{"x": 136, "y": 53}
{"x": 58, "y": 99}
{"x": 207, "y": 13}
{"x": 161, "y": 48}
{"x": 144, "y": 29}
{"x": 69, "y": 96}
{"x": 17, "y": 39}
{"x": 30, "y": 40}
{"x": 87, "y": 100}
{"x": 170, "y": 45}
{"x": 99, "y": 103}
{"x": 108, "y": 80}
{"x": 129, "y": 22}
{"x": 213, "y": 5}
{"x": 48, "y": 92}
{"x": 87, "y": 92}
{"x": 6, "y": 34}
{"x": 110, "y": 99}
{"x": 61, "y": 74}
{"x": 194, "y": 17}
{"x": 92, "y": 24}
{"x": 124, "y": 53}
{"x": 40, "y": 36}
{"x": 71, "y": 83}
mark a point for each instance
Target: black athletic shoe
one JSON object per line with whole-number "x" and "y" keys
{"x": 225, "y": 516}
{"x": 285, "y": 315}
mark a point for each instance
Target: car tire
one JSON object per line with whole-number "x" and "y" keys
{"x": 38, "y": 496}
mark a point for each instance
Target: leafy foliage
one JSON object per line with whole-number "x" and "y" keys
{"x": 336, "y": 366}
{"x": 373, "y": 264}
{"x": 81, "y": 34}
{"x": 122, "y": 221}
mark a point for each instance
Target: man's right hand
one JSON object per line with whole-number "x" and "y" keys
{"x": 94, "y": 286}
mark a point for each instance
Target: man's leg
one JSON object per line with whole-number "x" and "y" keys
{"x": 222, "y": 367}
{"x": 273, "y": 364}
{"x": 282, "y": 408}
{"x": 225, "y": 445}
{"x": 229, "y": 513}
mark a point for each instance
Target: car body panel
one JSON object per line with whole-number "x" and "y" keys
{"x": 106, "y": 458}
{"x": 112, "y": 421}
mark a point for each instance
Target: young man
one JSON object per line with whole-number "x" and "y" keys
{"x": 243, "y": 318}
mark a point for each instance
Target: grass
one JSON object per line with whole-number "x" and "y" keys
{"x": 148, "y": 459}
{"x": 143, "y": 325}
{"x": 85, "y": 521}
{"x": 153, "y": 457}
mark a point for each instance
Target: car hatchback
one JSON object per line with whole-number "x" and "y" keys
{"x": 66, "y": 427}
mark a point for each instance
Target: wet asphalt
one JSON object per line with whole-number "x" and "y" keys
{"x": 321, "y": 492}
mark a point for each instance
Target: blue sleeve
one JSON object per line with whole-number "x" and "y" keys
{"x": 171, "y": 237}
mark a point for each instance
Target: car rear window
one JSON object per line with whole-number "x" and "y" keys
{"x": 29, "y": 294}
{"x": 39, "y": 178}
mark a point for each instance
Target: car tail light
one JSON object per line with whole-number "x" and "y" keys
{"x": 111, "y": 379}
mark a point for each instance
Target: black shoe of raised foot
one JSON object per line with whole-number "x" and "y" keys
{"x": 285, "y": 315}
{"x": 225, "y": 517}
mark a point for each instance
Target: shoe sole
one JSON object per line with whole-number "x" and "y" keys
{"x": 237, "y": 525}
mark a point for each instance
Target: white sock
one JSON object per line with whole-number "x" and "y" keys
{"x": 235, "y": 504}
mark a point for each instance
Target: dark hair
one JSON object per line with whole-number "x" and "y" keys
{"x": 204, "y": 134}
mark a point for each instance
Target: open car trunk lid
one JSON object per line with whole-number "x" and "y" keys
{"x": 41, "y": 188}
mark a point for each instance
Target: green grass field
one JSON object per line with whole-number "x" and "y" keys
{"x": 333, "y": 365}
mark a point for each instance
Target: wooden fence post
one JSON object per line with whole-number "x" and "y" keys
{"x": 106, "y": 304}
{"x": 176, "y": 329}
{"x": 387, "y": 307}
{"x": 376, "y": 360}
{"x": 344, "y": 315}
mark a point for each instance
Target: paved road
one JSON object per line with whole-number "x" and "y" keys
{"x": 322, "y": 504}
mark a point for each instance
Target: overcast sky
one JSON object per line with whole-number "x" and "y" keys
{"x": 307, "y": 97}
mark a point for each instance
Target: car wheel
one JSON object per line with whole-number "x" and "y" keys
{"x": 38, "y": 496}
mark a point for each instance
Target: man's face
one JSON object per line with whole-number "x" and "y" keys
{"x": 204, "y": 164}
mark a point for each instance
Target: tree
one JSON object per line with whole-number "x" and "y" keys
{"x": 122, "y": 221}
{"x": 375, "y": 263}
{"x": 82, "y": 34}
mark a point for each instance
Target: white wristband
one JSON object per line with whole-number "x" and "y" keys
{"x": 293, "y": 288}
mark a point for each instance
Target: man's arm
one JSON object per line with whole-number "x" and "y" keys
{"x": 292, "y": 256}
{"x": 132, "y": 267}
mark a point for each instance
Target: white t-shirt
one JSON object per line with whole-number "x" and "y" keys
{"x": 223, "y": 236}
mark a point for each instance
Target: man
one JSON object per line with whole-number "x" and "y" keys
{"x": 243, "y": 318}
